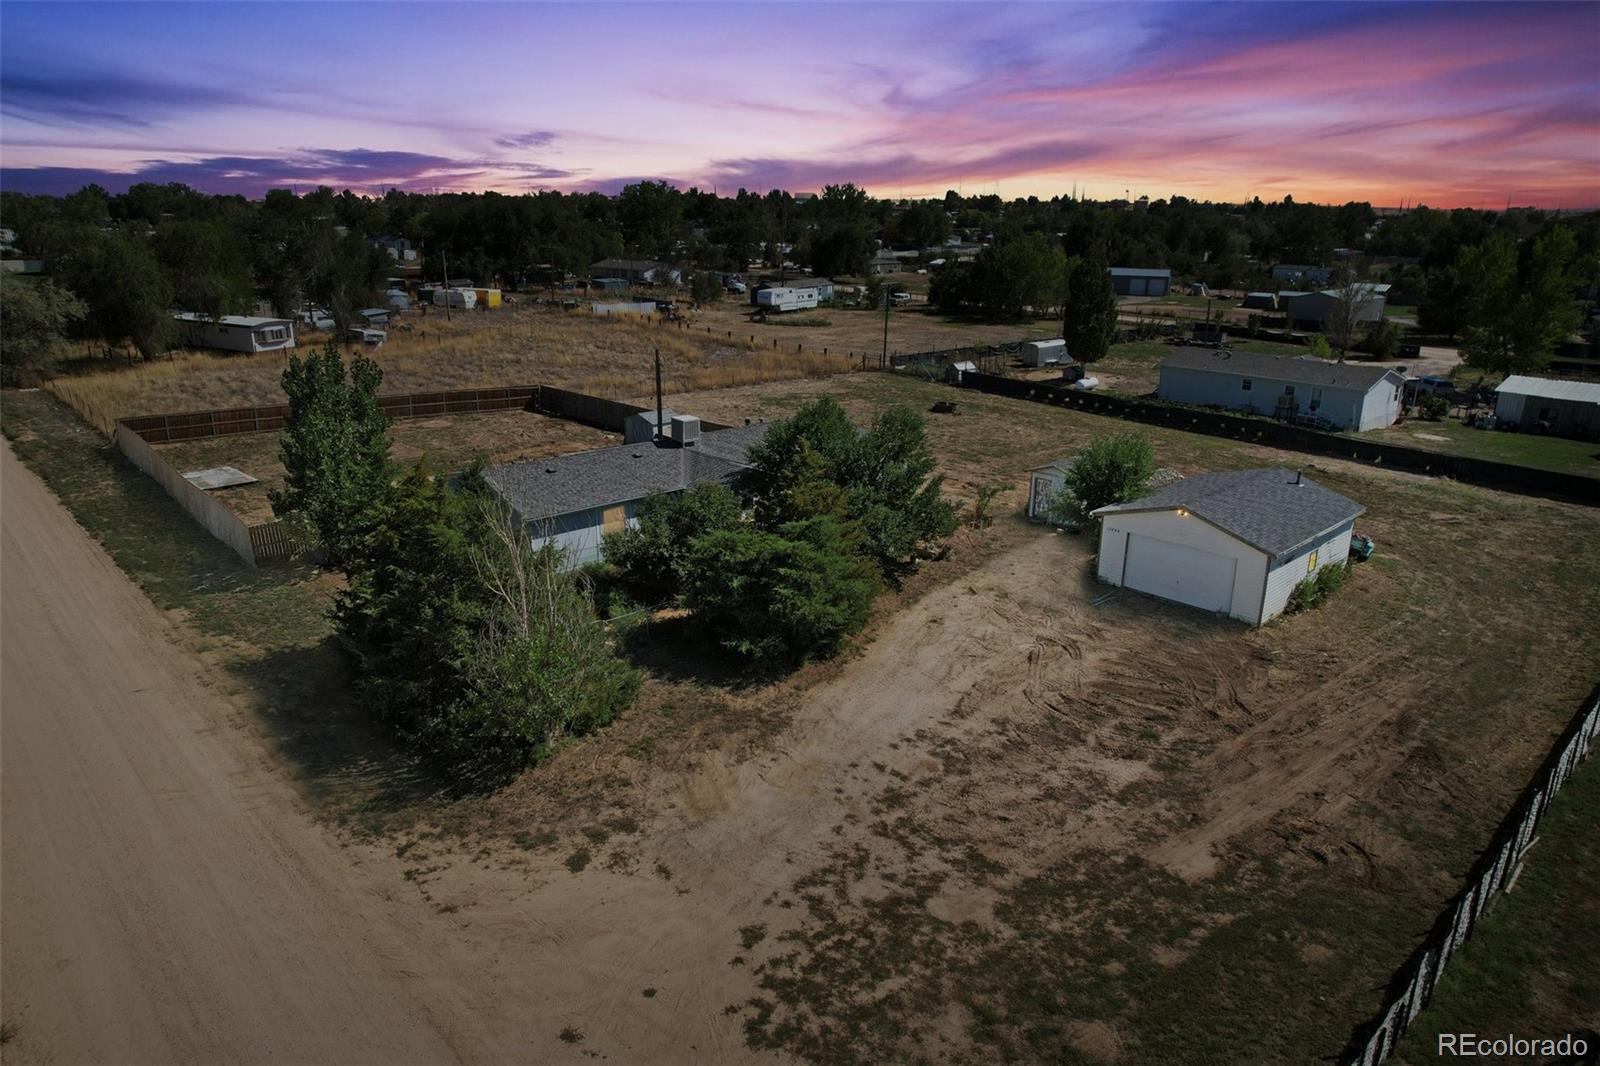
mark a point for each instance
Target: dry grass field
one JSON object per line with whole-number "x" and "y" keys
{"x": 606, "y": 356}
{"x": 1020, "y": 821}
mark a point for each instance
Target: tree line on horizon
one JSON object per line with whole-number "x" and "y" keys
{"x": 123, "y": 262}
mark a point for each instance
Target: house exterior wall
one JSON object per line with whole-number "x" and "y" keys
{"x": 1331, "y": 550}
{"x": 1379, "y": 406}
{"x": 578, "y": 534}
{"x": 1250, "y": 564}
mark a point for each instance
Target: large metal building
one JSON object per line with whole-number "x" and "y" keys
{"x": 1564, "y": 408}
{"x": 1140, "y": 281}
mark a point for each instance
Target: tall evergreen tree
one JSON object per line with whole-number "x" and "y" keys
{"x": 1089, "y": 316}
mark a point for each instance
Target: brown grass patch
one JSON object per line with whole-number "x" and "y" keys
{"x": 606, "y": 356}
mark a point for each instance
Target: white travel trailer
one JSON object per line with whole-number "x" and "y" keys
{"x": 787, "y": 298}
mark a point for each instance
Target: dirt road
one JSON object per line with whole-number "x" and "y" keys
{"x": 162, "y": 899}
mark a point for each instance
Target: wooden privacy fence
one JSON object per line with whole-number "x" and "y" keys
{"x": 194, "y": 425}
{"x": 204, "y": 508}
{"x": 277, "y": 541}
{"x": 1507, "y": 477}
{"x": 1494, "y": 872}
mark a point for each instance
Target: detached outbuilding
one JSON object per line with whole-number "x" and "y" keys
{"x": 1236, "y": 543}
{"x": 1140, "y": 281}
{"x": 1550, "y": 405}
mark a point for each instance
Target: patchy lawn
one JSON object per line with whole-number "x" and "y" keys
{"x": 1453, "y": 437}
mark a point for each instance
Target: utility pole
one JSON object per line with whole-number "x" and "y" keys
{"x": 883, "y": 360}
{"x": 445, "y": 261}
{"x": 658, "y": 396}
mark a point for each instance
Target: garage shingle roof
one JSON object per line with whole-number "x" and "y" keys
{"x": 1274, "y": 509}
{"x": 546, "y": 488}
{"x": 1304, "y": 371}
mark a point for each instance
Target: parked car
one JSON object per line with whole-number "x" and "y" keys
{"x": 899, "y": 299}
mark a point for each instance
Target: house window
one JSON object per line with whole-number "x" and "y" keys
{"x": 1316, "y": 399}
{"x": 1311, "y": 561}
{"x": 1246, "y": 384}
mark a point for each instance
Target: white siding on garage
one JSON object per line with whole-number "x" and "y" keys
{"x": 1193, "y": 533}
{"x": 1289, "y": 572}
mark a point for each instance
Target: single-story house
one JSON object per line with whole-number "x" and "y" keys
{"x": 234, "y": 333}
{"x": 1236, "y": 543}
{"x": 1140, "y": 281}
{"x": 573, "y": 501}
{"x": 1311, "y": 310}
{"x": 885, "y": 262}
{"x": 645, "y": 271}
{"x": 1349, "y": 395}
{"x": 1565, "y": 408}
{"x": 1300, "y": 274}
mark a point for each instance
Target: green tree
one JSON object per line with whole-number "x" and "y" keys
{"x": 128, "y": 295}
{"x": 780, "y": 597}
{"x": 1089, "y": 317}
{"x": 1108, "y": 470}
{"x": 207, "y": 266}
{"x": 1515, "y": 313}
{"x": 481, "y": 651}
{"x": 334, "y": 448}
{"x": 652, "y": 558}
{"x": 879, "y": 485}
{"x": 35, "y": 315}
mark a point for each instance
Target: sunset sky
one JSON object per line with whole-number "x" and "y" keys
{"x": 1448, "y": 104}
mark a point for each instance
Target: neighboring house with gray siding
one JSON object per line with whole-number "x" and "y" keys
{"x": 1236, "y": 543}
{"x": 573, "y": 501}
{"x": 1348, "y": 395}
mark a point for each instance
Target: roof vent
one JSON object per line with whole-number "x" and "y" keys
{"x": 549, "y": 470}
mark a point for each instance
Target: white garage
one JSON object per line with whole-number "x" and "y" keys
{"x": 1234, "y": 543}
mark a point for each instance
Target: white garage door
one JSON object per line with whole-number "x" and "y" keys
{"x": 1179, "y": 572}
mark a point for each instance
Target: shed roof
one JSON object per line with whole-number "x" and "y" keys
{"x": 1306, "y": 370}
{"x": 546, "y": 488}
{"x": 630, "y": 264}
{"x": 1550, "y": 388}
{"x": 1274, "y": 509}
{"x": 1139, "y": 272}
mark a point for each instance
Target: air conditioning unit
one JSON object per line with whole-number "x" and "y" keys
{"x": 685, "y": 430}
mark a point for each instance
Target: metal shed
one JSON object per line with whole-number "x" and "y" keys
{"x": 1551, "y": 405}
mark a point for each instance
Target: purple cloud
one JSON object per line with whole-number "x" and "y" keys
{"x": 532, "y": 139}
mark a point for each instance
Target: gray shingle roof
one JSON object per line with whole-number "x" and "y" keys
{"x": 1307, "y": 370}
{"x": 545, "y": 488}
{"x": 1264, "y": 508}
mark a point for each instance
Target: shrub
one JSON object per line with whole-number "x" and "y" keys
{"x": 652, "y": 558}
{"x": 1315, "y": 590}
{"x": 1432, "y": 406}
{"x": 983, "y": 505}
{"x": 1109, "y": 470}
{"x": 782, "y": 597}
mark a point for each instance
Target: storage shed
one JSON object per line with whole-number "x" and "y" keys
{"x": 1564, "y": 408}
{"x": 1044, "y": 353}
{"x": 1235, "y": 543}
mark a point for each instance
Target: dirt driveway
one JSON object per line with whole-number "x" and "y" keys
{"x": 163, "y": 899}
